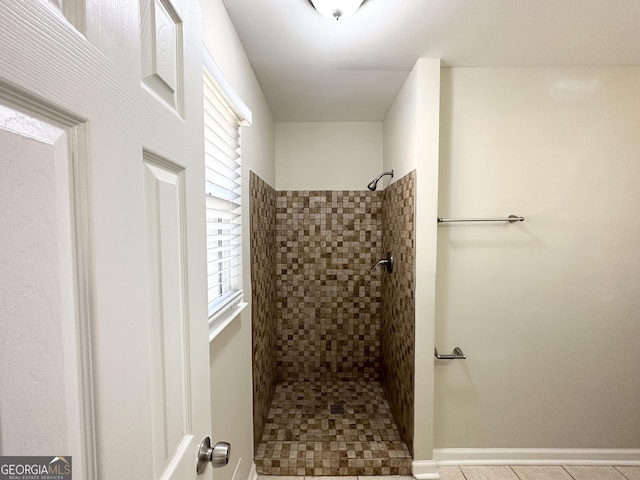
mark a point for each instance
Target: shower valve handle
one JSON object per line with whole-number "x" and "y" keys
{"x": 386, "y": 261}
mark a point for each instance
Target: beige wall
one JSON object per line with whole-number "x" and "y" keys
{"x": 400, "y": 133}
{"x": 411, "y": 137}
{"x": 327, "y": 155}
{"x": 231, "y": 379}
{"x": 546, "y": 310}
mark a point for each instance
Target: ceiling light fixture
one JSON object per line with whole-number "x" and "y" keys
{"x": 336, "y": 9}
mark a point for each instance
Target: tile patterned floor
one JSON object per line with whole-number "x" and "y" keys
{"x": 500, "y": 473}
{"x": 519, "y": 472}
{"x": 504, "y": 473}
{"x": 328, "y": 428}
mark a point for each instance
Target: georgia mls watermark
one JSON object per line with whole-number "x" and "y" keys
{"x": 35, "y": 468}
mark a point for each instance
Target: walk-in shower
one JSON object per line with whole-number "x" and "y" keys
{"x": 333, "y": 341}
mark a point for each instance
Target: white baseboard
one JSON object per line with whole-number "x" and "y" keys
{"x": 236, "y": 472}
{"x": 424, "y": 470}
{"x": 253, "y": 473}
{"x": 535, "y": 456}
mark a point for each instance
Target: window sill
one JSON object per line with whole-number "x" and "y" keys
{"x": 216, "y": 328}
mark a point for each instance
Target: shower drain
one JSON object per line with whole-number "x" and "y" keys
{"x": 337, "y": 409}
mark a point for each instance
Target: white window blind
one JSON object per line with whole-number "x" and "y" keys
{"x": 223, "y": 183}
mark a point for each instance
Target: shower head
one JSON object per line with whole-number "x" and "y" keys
{"x": 374, "y": 183}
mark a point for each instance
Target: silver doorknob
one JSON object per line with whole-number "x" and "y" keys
{"x": 218, "y": 455}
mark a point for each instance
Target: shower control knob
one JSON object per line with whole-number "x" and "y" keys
{"x": 218, "y": 455}
{"x": 388, "y": 262}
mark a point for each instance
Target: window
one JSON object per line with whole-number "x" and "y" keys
{"x": 223, "y": 184}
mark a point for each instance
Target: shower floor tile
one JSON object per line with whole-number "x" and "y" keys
{"x": 328, "y": 428}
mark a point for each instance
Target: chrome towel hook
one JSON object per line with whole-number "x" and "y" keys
{"x": 457, "y": 354}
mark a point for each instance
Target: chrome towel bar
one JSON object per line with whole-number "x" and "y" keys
{"x": 457, "y": 354}
{"x": 510, "y": 219}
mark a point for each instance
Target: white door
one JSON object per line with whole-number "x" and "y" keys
{"x": 103, "y": 311}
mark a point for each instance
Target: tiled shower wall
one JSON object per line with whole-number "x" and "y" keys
{"x": 263, "y": 306}
{"x": 328, "y": 298}
{"x": 398, "y": 305}
{"x": 318, "y": 309}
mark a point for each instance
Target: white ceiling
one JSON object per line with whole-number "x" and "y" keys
{"x": 314, "y": 69}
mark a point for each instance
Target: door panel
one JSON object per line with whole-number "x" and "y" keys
{"x": 73, "y": 11}
{"x": 31, "y": 285}
{"x": 162, "y": 51}
{"x": 46, "y": 394}
{"x": 130, "y": 316}
{"x": 168, "y": 339}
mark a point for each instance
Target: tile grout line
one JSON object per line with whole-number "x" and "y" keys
{"x": 465, "y": 477}
{"x": 514, "y": 472}
{"x": 620, "y": 472}
{"x": 568, "y": 472}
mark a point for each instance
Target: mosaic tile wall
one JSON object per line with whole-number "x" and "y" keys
{"x": 319, "y": 313}
{"x": 328, "y": 300}
{"x": 263, "y": 299}
{"x": 398, "y": 306}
